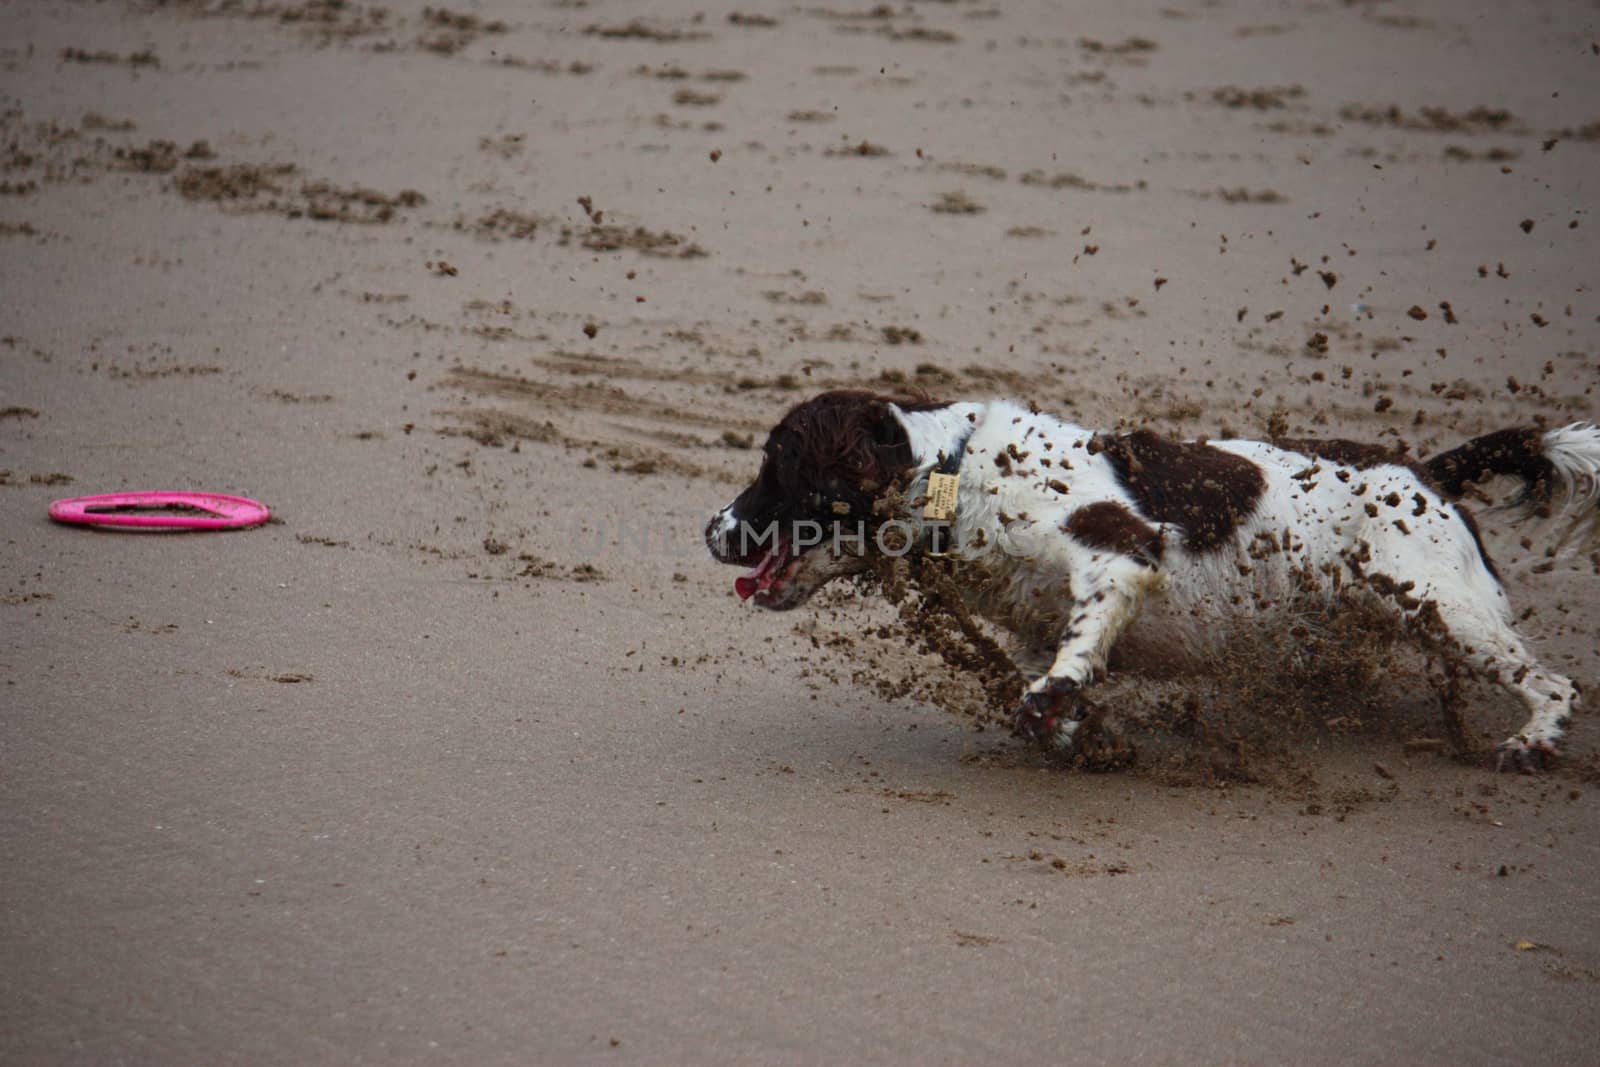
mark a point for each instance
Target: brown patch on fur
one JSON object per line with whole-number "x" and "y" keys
{"x": 1203, "y": 489}
{"x": 1357, "y": 454}
{"x": 1111, "y": 526}
{"x": 1519, "y": 453}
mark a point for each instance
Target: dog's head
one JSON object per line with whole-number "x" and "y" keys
{"x": 809, "y": 516}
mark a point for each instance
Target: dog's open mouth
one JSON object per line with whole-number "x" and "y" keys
{"x": 765, "y": 581}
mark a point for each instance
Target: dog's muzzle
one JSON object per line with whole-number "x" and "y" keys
{"x": 719, "y": 534}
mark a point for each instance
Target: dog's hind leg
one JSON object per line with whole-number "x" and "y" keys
{"x": 1489, "y": 646}
{"x": 1466, "y": 618}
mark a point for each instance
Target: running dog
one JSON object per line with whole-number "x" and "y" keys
{"x": 1075, "y": 540}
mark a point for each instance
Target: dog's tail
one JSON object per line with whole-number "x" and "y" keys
{"x": 1559, "y": 469}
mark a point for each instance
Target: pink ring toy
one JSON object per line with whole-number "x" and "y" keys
{"x": 207, "y": 511}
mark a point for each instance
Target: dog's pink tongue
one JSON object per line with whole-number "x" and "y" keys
{"x": 760, "y": 576}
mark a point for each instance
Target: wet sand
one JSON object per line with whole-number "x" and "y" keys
{"x": 472, "y": 755}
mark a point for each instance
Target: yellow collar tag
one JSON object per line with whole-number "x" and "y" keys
{"x": 941, "y": 506}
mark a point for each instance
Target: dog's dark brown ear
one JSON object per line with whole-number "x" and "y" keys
{"x": 882, "y": 447}
{"x": 859, "y": 445}
{"x": 840, "y": 447}
{"x": 887, "y": 431}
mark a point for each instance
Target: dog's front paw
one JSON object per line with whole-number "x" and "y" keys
{"x": 1050, "y": 717}
{"x": 1527, "y": 757}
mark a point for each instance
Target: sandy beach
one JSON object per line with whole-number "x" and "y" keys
{"x": 472, "y": 755}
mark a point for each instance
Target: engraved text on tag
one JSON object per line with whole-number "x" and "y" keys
{"x": 941, "y": 506}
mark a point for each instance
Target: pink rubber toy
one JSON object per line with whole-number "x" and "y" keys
{"x": 213, "y": 511}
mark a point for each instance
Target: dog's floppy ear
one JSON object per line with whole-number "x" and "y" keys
{"x": 875, "y": 441}
{"x": 887, "y": 432}
{"x": 843, "y": 446}
{"x": 878, "y": 449}
{"x": 890, "y": 449}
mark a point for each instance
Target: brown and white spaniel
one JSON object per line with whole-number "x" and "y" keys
{"x": 1073, "y": 540}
